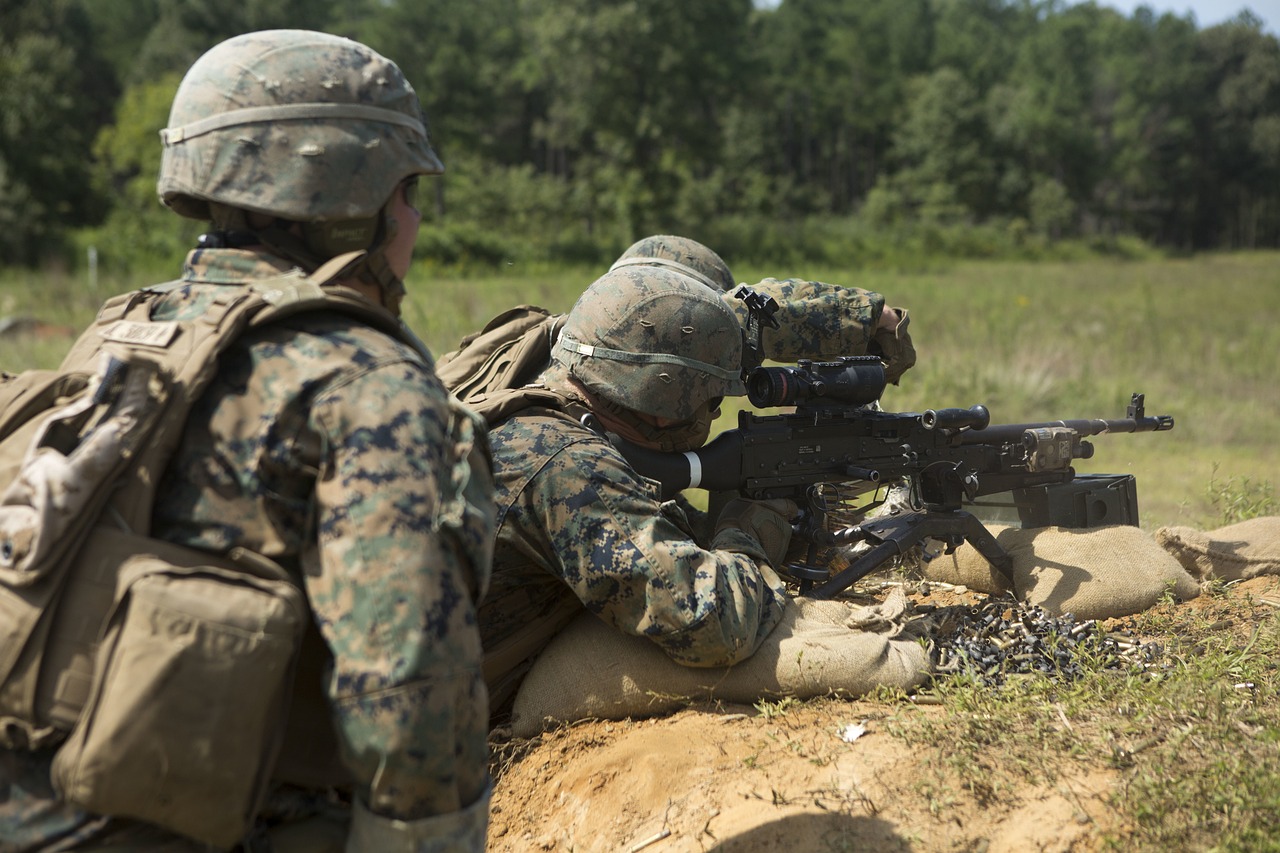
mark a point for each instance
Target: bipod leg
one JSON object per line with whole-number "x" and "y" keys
{"x": 894, "y": 534}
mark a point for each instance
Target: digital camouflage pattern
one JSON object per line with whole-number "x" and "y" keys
{"x": 816, "y": 320}
{"x": 577, "y": 522}
{"x": 302, "y": 125}
{"x": 333, "y": 449}
{"x": 654, "y": 341}
{"x": 681, "y": 254}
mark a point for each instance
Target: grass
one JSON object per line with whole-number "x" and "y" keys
{"x": 1031, "y": 341}
{"x": 1196, "y": 741}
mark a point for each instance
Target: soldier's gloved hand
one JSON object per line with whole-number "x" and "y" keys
{"x": 767, "y": 522}
{"x": 894, "y": 347}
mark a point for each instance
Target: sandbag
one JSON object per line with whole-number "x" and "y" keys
{"x": 820, "y": 648}
{"x": 1238, "y": 551}
{"x": 1094, "y": 573}
{"x": 968, "y": 568}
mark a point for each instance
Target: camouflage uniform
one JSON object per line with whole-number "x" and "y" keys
{"x": 326, "y": 445}
{"x": 816, "y": 320}
{"x": 576, "y": 522}
{"x": 333, "y": 449}
{"x": 579, "y": 528}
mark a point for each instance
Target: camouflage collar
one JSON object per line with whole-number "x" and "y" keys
{"x": 232, "y": 266}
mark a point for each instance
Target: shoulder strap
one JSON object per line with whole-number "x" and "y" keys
{"x": 183, "y": 356}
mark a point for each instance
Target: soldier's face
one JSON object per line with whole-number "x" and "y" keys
{"x": 404, "y": 211}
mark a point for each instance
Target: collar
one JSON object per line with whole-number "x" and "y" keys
{"x": 232, "y": 266}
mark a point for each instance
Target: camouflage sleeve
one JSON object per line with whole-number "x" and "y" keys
{"x": 815, "y": 319}
{"x": 405, "y": 535}
{"x": 631, "y": 560}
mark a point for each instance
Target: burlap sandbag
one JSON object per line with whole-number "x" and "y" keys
{"x": 1097, "y": 573}
{"x": 821, "y": 647}
{"x": 966, "y": 567}
{"x": 1235, "y": 552}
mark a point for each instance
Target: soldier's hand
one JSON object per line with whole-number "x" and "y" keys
{"x": 767, "y": 522}
{"x": 893, "y": 344}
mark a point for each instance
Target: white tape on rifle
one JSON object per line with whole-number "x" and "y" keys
{"x": 695, "y": 469}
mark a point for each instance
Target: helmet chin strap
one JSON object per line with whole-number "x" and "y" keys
{"x": 376, "y": 269}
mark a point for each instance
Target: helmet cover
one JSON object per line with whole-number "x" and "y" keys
{"x": 300, "y": 125}
{"x": 652, "y": 340}
{"x": 682, "y": 254}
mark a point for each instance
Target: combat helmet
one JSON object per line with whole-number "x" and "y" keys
{"x": 304, "y": 127}
{"x": 653, "y": 340}
{"x": 682, "y": 254}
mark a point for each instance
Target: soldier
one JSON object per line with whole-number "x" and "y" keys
{"x": 326, "y": 444}
{"x": 646, "y": 353}
{"x": 815, "y": 320}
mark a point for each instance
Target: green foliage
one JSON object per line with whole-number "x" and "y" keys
{"x": 54, "y": 87}
{"x": 139, "y": 231}
{"x": 834, "y": 130}
{"x": 1240, "y": 498}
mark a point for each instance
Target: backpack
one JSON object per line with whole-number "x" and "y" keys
{"x": 491, "y": 370}
{"x": 112, "y": 642}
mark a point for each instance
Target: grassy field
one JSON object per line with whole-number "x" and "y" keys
{"x": 1189, "y": 751}
{"x": 1031, "y": 341}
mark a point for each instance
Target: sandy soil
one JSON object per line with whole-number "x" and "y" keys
{"x": 731, "y": 778}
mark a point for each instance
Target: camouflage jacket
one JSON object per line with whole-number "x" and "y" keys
{"x": 579, "y": 527}
{"x": 815, "y": 319}
{"x": 333, "y": 449}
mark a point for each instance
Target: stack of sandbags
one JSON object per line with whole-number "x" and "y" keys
{"x": 820, "y": 648}
{"x": 1096, "y": 573}
{"x": 1235, "y": 552}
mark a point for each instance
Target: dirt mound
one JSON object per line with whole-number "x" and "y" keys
{"x": 733, "y": 779}
{"x": 820, "y": 775}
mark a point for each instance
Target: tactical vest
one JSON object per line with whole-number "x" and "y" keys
{"x": 161, "y": 673}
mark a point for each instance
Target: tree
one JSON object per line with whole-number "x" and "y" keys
{"x": 1146, "y": 101}
{"x": 838, "y": 73}
{"x": 1239, "y": 191}
{"x": 943, "y": 148}
{"x": 56, "y": 93}
{"x": 126, "y": 164}
{"x": 634, "y": 94}
{"x": 1041, "y": 117}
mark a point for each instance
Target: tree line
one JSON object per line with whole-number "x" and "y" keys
{"x": 812, "y": 128}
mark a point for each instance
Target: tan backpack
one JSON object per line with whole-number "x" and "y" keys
{"x": 490, "y": 371}
{"x": 163, "y": 672}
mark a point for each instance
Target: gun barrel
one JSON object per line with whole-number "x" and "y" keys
{"x": 1082, "y": 426}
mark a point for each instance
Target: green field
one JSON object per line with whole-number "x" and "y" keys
{"x": 1031, "y": 341}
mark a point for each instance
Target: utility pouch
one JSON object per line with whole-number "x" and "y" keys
{"x": 186, "y": 710}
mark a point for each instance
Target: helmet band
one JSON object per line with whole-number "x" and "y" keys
{"x": 568, "y": 344}
{"x": 285, "y": 112}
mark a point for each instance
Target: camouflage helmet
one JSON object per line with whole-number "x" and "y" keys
{"x": 652, "y": 340}
{"x": 300, "y": 125}
{"x": 680, "y": 253}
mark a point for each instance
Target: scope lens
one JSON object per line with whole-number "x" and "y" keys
{"x": 770, "y": 386}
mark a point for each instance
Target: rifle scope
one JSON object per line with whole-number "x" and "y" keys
{"x": 851, "y": 381}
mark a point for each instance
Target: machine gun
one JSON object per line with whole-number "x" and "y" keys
{"x": 837, "y": 438}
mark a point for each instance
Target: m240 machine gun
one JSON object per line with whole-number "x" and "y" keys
{"x": 836, "y": 442}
